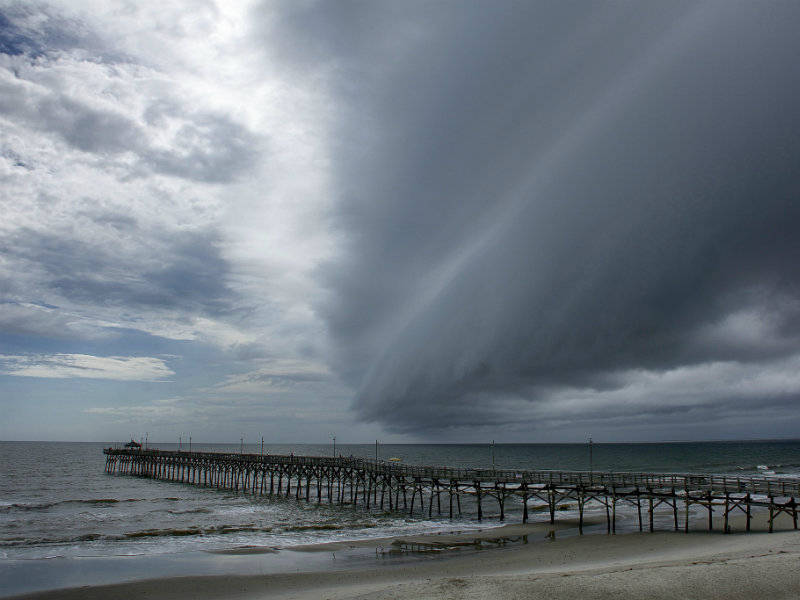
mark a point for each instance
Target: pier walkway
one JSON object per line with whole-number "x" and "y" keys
{"x": 393, "y": 486}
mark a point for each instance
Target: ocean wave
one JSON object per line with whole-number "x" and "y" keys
{"x": 198, "y": 531}
{"x": 172, "y": 532}
{"x": 20, "y": 506}
{"x": 27, "y": 541}
{"x": 191, "y": 511}
{"x": 164, "y": 533}
{"x": 32, "y": 506}
{"x": 19, "y": 542}
{"x": 28, "y": 506}
{"x": 227, "y": 529}
{"x": 320, "y": 527}
{"x": 347, "y": 525}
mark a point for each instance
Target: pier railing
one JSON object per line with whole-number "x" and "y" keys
{"x": 763, "y": 485}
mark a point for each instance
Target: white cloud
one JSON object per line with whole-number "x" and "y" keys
{"x": 721, "y": 389}
{"x": 142, "y": 412}
{"x": 63, "y": 366}
{"x": 172, "y": 99}
{"x": 278, "y": 374}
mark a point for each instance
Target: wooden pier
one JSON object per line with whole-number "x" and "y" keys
{"x": 420, "y": 489}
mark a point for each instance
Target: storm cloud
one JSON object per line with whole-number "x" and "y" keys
{"x": 562, "y": 200}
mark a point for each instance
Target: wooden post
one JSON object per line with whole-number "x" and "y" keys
{"x": 748, "y": 512}
{"x": 710, "y": 512}
{"x": 725, "y": 527}
{"x": 352, "y": 497}
{"x": 639, "y": 506}
{"x": 614, "y": 511}
{"x": 688, "y": 505}
{"x": 451, "y": 499}
{"x": 771, "y": 517}
{"x": 525, "y": 503}
{"x": 674, "y": 510}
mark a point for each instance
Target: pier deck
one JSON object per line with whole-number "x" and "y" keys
{"x": 381, "y": 484}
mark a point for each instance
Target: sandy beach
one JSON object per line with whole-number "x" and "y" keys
{"x": 515, "y": 561}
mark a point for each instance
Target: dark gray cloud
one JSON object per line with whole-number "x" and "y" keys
{"x": 83, "y": 127}
{"x": 546, "y": 198}
{"x": 207, "y": 148}
{"x": 38, "y": 30}
{"x": 171, "y": 271}
{"x": 41, "y": 321}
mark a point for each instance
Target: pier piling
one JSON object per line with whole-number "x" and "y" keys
{"x": 358, "y": 481}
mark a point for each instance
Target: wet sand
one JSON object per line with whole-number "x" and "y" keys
{"x": 515, "y": 561}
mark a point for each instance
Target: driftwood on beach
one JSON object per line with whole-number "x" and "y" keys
{"x": 384, "y": 484}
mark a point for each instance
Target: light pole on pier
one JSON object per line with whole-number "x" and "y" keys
{"x": 591, "y": 460}
{"x": 334, "y": 446}
{"x": 376, "y": 450}
{"x": 241, "y": 445}
{"x": 262, "y": 445}
{"x": 145, "y": 439}
{"x": 492, "y": 455}
{"x": 180, "y": 441}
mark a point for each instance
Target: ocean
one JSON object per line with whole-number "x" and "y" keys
{"x": 58, "y": 507}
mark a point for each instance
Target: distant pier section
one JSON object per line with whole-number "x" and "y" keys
{"x": 423, "y": 489}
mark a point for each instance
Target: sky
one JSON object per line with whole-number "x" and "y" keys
{"x": 412, "y": 221}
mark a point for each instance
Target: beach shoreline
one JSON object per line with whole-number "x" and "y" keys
{"x": 531, "y": 561}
